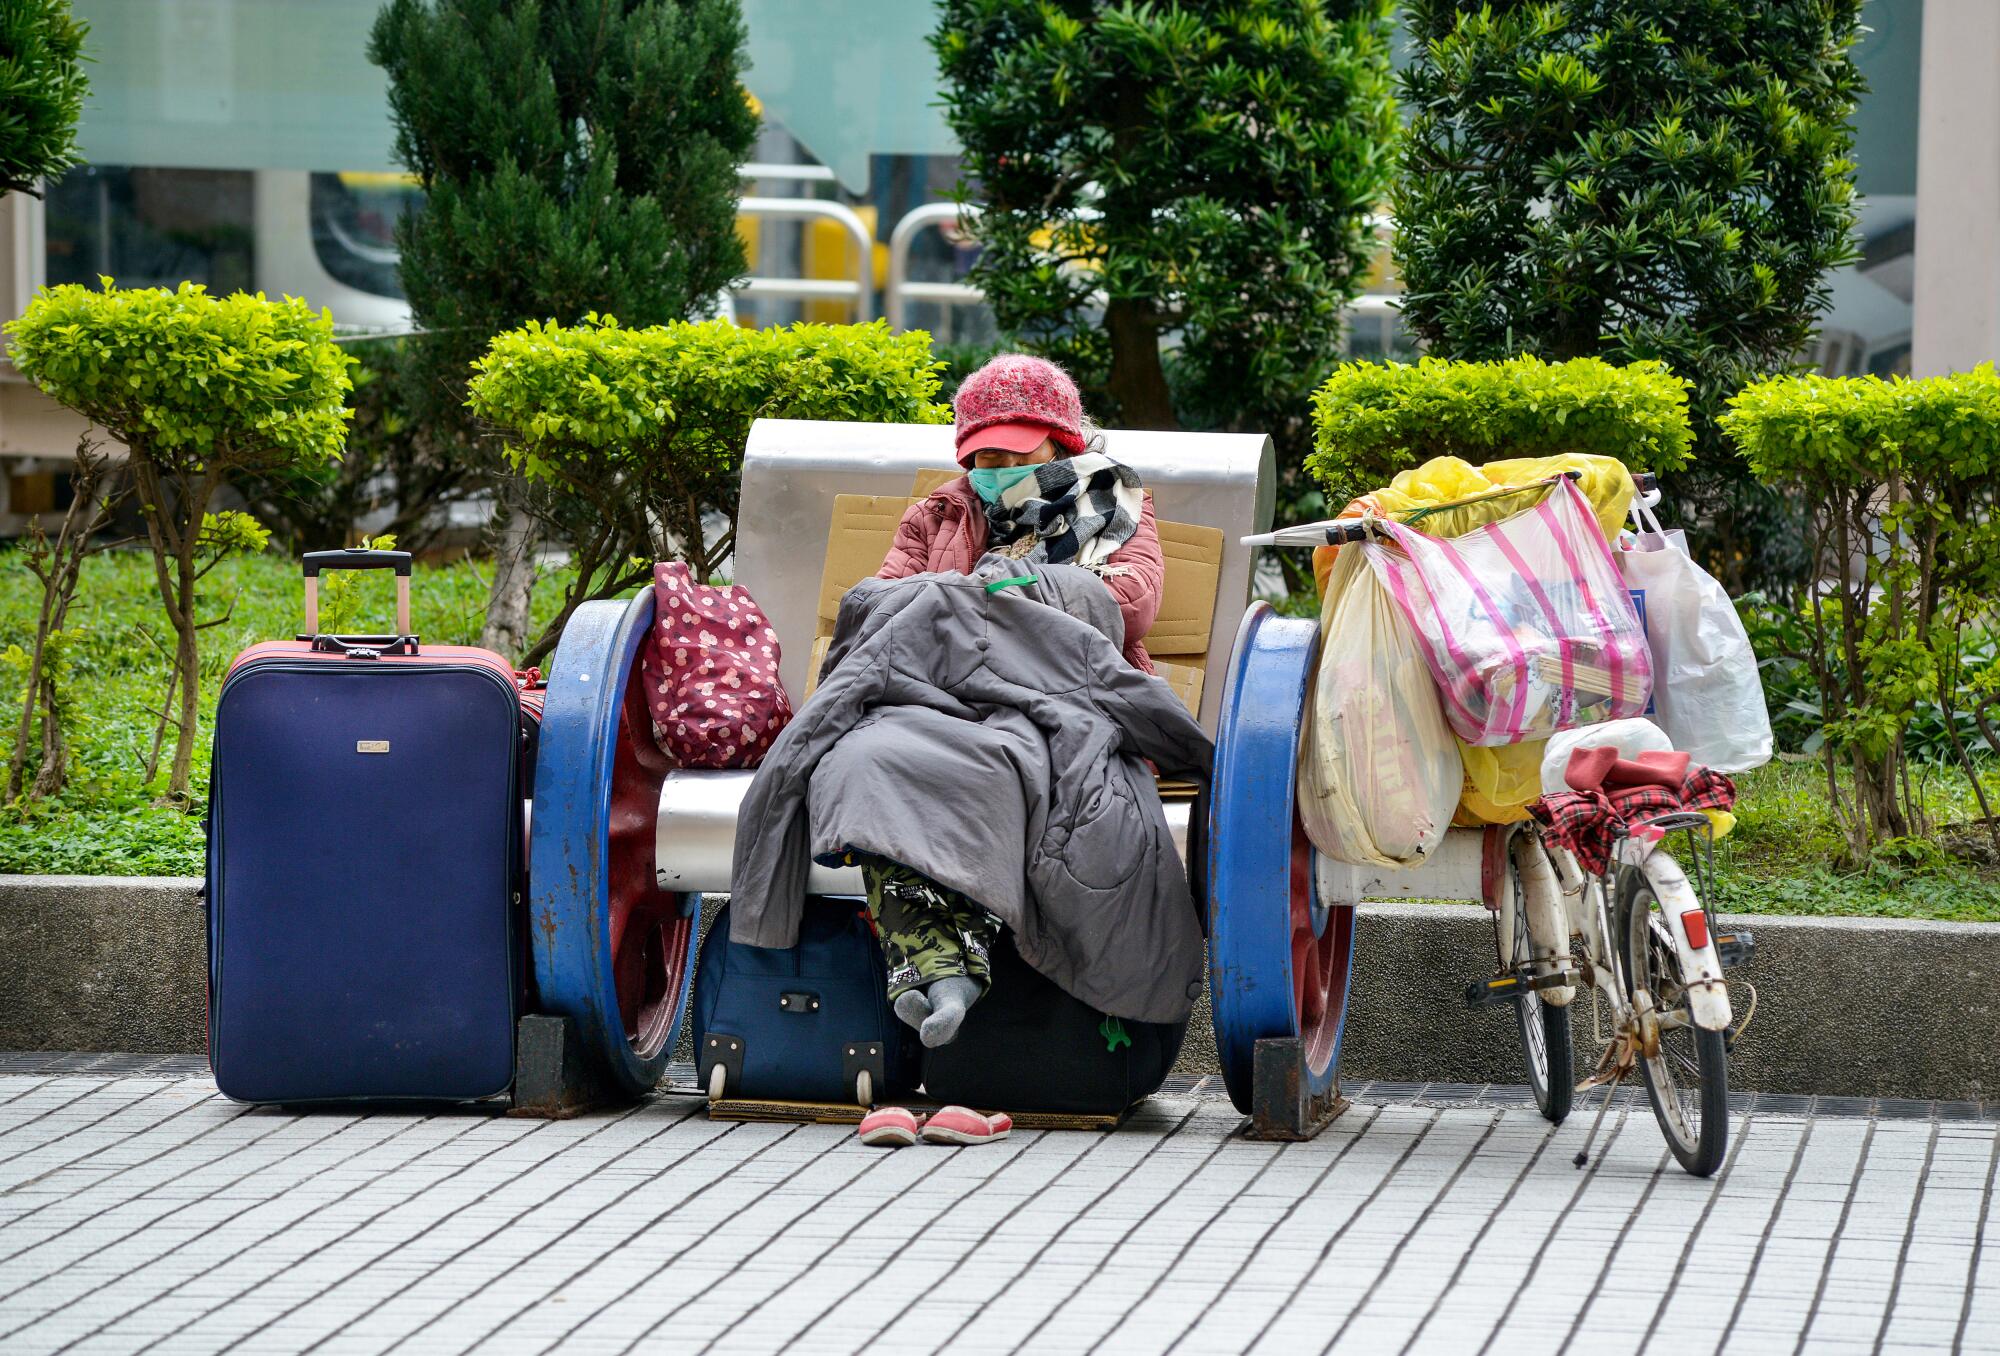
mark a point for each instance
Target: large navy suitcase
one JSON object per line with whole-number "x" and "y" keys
{"x": 364, "y": 865}
{"x": 807, "y": 1023}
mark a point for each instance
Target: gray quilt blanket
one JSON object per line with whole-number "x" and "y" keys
{"x": 996, "y": 741}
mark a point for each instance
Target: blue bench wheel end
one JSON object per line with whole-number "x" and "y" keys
{"x": 612, "y": 952}
{"x": 1279, "y": 960}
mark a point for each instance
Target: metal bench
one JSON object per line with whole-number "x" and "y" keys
{"x": 623, "y": 847}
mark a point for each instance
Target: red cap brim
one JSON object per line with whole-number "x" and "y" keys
{"x": 1015, "y": 437}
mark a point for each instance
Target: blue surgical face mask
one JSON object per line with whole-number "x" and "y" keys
{"x": 990, "y": 482}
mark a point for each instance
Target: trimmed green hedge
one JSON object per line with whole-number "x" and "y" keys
{"x": 1375, "y": 419}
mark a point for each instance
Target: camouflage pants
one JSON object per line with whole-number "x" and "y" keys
{"x": 928, "y": 932}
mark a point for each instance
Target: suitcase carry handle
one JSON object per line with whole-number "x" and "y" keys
{"x": 358, "y": 558}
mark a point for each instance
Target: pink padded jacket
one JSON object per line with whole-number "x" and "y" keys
{"x": 948, "y": 532}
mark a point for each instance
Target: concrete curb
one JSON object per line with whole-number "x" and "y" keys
{"x": 1857, "y": 1007}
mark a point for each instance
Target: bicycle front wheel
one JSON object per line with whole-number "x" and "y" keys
{"x": 1687, "y": 1081}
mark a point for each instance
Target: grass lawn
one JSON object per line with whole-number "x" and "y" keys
{"x": 106, "y": 822}
{"x": 1779, "y": 859}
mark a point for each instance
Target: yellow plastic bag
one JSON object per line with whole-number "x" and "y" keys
{"x": 1379, "y": 769}
{"x": 1501, "y": 781}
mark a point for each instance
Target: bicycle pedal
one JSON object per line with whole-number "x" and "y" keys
{"x": 1491, "y": 993}
{"x": 1735, "y": 948}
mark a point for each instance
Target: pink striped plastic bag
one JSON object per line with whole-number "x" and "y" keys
{"x": 1525, "y": 624}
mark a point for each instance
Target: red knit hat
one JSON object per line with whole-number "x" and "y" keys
{"x": 1014, "y": 388}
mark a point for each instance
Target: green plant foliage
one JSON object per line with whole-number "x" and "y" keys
{"x": 1209, "y": 166}
{"x": 197, "y": 388}
{"x": 106, "y": 820}
{"x": 1898, "y": 481}
{"x": 41, "y": 91}
{"x": 186, "y": 379}
{"x": 1375, "y": 419}
{"x": 396, "y": 462}
{"x": 577, "y": 156}
{"x": 646, "y": 427}
{"x": 1668, "y": 179}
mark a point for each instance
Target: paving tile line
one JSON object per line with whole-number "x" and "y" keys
{"x": 1909, "y": 1231}
{"x": 1403, "y": 1240}
{"x": 951, "y": 1271}
{"x": 1740, "y": 1138}
{"x": 1360, "y": 1209}
{"x": 883, "y": 1157}
{"x": 1187, "y": 1246}
{"x": 1764, "y": 1238}
{"x": 278, "y": 1125}
{"x": 1978, "y": 1245}
{"x": 160, "y": 1088}
{"x": 687, "y": 1155}
{"x": 1264, "y": 1239}
{"x": 514, "y": 1141}
{"x": 237, "y": 1113}
{"x": 217, "y": 1225}
{"x": 1123, "y": 1238}
{"x": 513, "y": 1220}
{"x": 672, "y": 1210}
{"x": 342, "y": 1127}
{"x": 1833, "y": 1244}
{"x": 1484, "y": 1232}
{"x": 986, "y": 1236}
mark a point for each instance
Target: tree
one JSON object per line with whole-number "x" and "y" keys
{"x": 1899, "y": 486}
{"x": 1635, "y": 179}
{"x": 1209, "y": 167}
{"x": 98, "y": 485}
{"x": 41, "y": 91}
{"x": 577, "y": 156}
{"x": 644, "y": 429}
{"x": 197, "y": 388}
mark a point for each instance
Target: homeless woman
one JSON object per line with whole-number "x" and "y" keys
{"x": 979, "y": 745}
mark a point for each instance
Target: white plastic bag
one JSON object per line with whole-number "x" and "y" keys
{"x": 1707, "y": 694}
{"x": 1630, "y": 737}
{"x": 1379, "y": 772}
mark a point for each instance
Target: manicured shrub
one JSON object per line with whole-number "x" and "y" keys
{"x": 1375, "y": 419}
{"x": 1670, "y": 180}
{"x": 41, "y": 91}
{"x": 1208, "y": 166}
{"x": 197, "y": 388}
{"x": 1898, "y": 482}
{"x": 576, "y": 156}
{"x": 645, "y": 428}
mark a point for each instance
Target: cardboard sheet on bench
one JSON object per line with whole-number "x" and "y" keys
{"x": 864, "y": 525}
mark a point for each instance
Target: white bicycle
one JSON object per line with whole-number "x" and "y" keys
{"x": 1643, "y": 940}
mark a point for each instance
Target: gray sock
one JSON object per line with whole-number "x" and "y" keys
{"x": 949, "y": 998}
{"x": 913, "y": 1007}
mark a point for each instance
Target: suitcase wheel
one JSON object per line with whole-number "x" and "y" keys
{"x": 864, "y": 1089}
{"x": 718, "y": 1083}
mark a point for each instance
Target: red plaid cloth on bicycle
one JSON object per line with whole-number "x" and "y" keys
{"x": 1583, "y": 821}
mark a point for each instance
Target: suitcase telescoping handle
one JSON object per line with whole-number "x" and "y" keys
{"x": 358, "y": 558}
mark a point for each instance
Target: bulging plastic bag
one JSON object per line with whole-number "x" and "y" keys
{"x": 1630, "y": 737}
{"x": 1707, "y": 693}
{"x": 1524, "y": 623}
{"x": 1379, "y": 772}
{"x": 1501, "y": 781}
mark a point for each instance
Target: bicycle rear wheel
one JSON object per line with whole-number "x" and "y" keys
{"x": 1545, "y": 1032}
{"x": 1687, "y": 1081}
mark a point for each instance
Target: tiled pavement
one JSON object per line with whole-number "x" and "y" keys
{"x": 139, "y": 1211}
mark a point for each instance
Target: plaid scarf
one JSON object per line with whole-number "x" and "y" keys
{"x": 1583, "y": 821}
{"x": 1071, "y": 511}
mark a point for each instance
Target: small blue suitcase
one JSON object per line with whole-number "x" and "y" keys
{"x": 364, "y": 866}
{"x": 808, "y": 1023}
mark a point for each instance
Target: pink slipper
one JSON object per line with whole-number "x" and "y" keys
{"x": 960, "y": 1125}
{"x": 892, "y": 1127}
